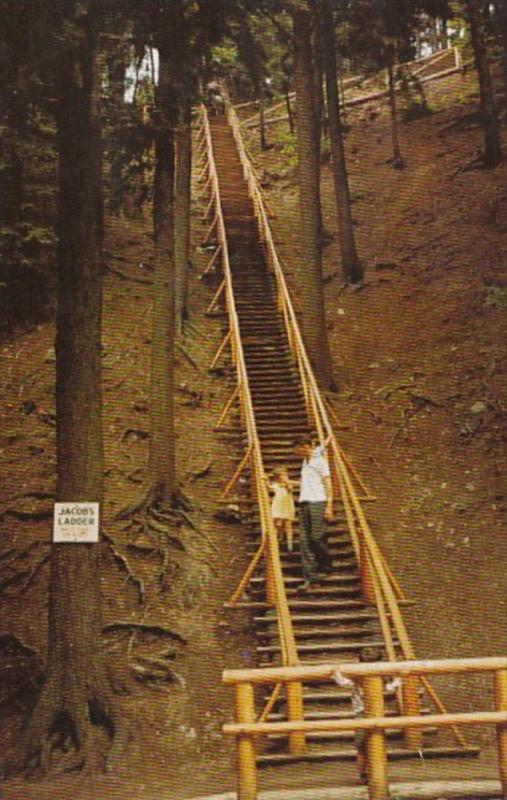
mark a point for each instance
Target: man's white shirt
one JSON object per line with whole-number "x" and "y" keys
{"x": 313, "y": 472}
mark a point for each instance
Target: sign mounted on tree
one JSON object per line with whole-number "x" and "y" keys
{"x": 76, "y": 522}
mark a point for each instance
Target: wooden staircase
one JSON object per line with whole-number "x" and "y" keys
{"x": 331, "y": 621}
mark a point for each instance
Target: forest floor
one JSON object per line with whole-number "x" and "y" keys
{"x": 419, "y": 354}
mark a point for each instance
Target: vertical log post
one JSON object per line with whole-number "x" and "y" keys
{"x": 413, "y": 737}
{"x": 245, "y": 712}
{"x": 376, "y": 757}
{"x": 500, "y": 688}
{"x": 297, "y": 741}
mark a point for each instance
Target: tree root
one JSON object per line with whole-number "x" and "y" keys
{"x": 189, "y": 358}
{"x": 200, "y": 473}
{"x": 123, "y": 561}
{"x": 35, "y": 570}
{"x": 133, "y": 434}
{"x": 125, "y": 277}
{"x": 62, "y": 734}
{"x": 199, "y": 531}
{"x": 142, "y": 503}
{"x": 164, "y": 530}
{"x": 154, "y": 629}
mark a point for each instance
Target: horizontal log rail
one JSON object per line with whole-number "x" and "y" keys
{"x": 421, "y": 65}
{"x": 312, "y": 673}
{"x": 275, "y": 586}
{"x": 379, "y": 585}
{"x": 374, "y": 723}
{"x": 366, "y": 724}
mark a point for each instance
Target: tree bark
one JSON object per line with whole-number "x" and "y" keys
{"x": 162, "y": 466}
{"x": 290, "y": 115}
{"x": 351, "y": 266}
{"x": 502, "y": 16}
{"x": 314, "y": 325}
{"x": 262, "y": 121}
{"x": 182, "y": 209}
{"x": 397, "y": 159}
{"x": 75, "y": 698}
{"x": 501, "y": 10}
{"x": 491, "y": 126}
{"x": 317, "y": 62}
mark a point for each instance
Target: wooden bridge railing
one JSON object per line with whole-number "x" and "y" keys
{"x": 374, "y": 723}
{"x": 275, "y": 587}
{"x": 379, "y": 586}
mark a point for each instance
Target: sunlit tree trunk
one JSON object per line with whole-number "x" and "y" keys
{"x": 182, "y": 208}
{"x": 397, "y": 160}
{"x": 352, "y": 269}
{"x": 490, "y": 123}
{"x": 162, "y": 466}
{"x": 312, "y": 290}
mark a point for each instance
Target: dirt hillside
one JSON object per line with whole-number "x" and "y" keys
{"x": 419, "y": 353}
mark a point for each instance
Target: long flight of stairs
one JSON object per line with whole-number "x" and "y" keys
{"x": 332, "y": 621}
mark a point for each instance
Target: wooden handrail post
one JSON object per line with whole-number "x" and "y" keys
{"x": 376, "y": 756}
{"x": 365, "y": 571}
{"x": 245, "y": 747}
{"x": 500, "y": 688}
{"x": 297, "y": 741}
{"x": 412, "y": 737}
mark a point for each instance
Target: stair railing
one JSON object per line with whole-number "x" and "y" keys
{"x": 375, "y": 723}
{"x": 275, "y": 587}
{"x": 378, "y": 584}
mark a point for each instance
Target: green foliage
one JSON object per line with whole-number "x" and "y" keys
{"x": 225, "y": 54}
{"x": 39, "y": 235}
{"x": 287, "y": 143}
{"x": 496, "y": 296}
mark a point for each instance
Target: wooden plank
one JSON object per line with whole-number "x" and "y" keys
{"x": 369, "y": 724}
{"x": 385, "y": 669}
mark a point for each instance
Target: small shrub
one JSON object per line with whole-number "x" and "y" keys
{"x": 286, "y": 142}
{"x": 496, "y": 296}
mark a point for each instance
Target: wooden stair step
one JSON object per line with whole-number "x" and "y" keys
{"x": 321, "y": 647}
{"x": 333, "y": 714}
{"x": 320, "y": 618}
{"x": 328, "y": 580}
{"x": 393, "y": 754}
{"x": 343, "y": 736}
{"x": 316, "y": 633}
{"x": 305, "y": 603}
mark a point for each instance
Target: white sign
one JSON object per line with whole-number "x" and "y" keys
{"x": 76, "y": 522}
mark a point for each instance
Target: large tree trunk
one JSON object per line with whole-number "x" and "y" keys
{"x": 397, "y": 159}
{"x": 182, "y": 209}
{"x": 318, "y": 68}
{"x": 491, "y": 126}
{"x": 162, "y": 442}
{"x": 501, "y": 10}
{"x": 75, "y": 698}
{"x": 117, "y": 59}
{"x": 312, "y": 290}
{"x": 351, "y": 266}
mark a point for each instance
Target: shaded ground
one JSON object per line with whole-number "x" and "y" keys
{"x": 419, "y": 354}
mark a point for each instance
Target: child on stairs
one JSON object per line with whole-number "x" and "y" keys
{"x": 367, "y": 654}
{"x": 282, "y": 507}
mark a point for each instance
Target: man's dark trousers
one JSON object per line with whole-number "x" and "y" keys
{"x": 312, "y": 540}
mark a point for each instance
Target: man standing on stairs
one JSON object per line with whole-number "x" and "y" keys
{"x": 315, "y": 506}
